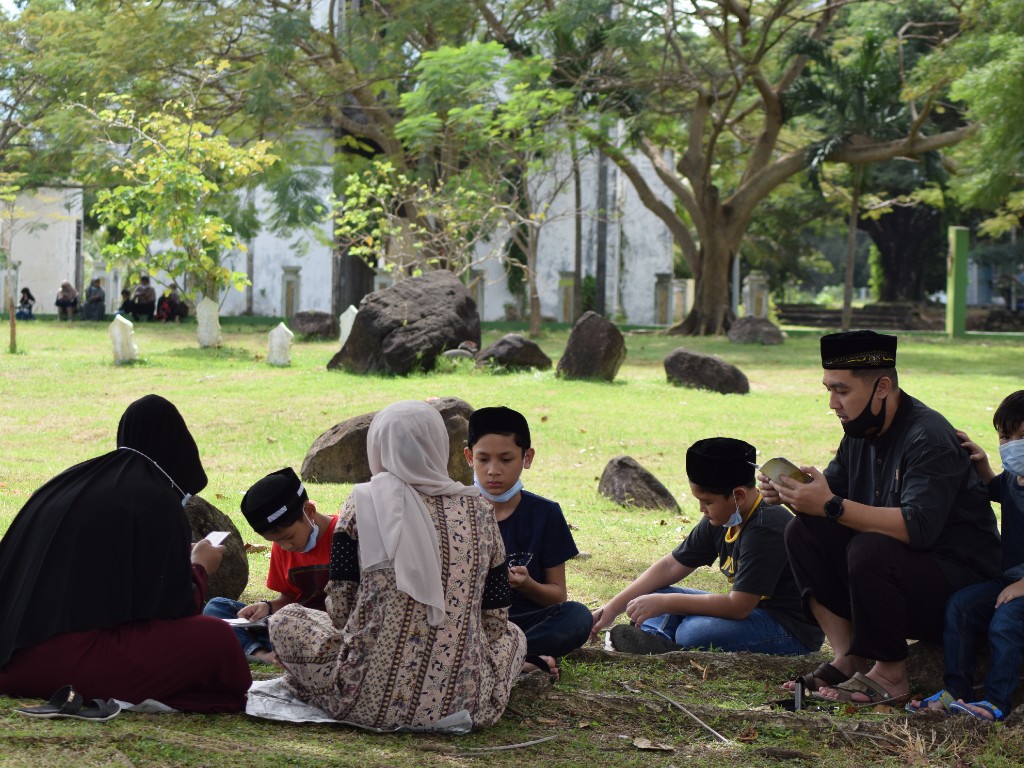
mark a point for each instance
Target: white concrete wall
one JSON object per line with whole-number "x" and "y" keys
{"x": 44, "y": 242}
{"x": 639, "y": 247}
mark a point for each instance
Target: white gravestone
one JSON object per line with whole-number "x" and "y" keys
{"x": 208, "y": 316}
{"x": 348, "y": 317}
{"x": 279, "y": 347}
{"x": 122, "y": 336}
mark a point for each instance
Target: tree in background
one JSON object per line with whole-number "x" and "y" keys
{"x": 706, "y": 83}
{"x": 178, "y": 176}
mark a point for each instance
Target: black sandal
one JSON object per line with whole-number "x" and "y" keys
{"x": 67, "y": 702}
{"x": 826, "y": 673}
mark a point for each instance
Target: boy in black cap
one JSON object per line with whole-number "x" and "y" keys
{"x": 898, "y": 521}
{"x": 279, "y": 510}
{"x": 537, "y": 538}
{"x": 761, "y": 613}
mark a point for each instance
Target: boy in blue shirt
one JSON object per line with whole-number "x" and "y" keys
{"x": 536, "y": 536}
{"x": 993, "y": 607}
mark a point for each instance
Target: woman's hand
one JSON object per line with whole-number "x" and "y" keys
{"x": 207, "y": 555}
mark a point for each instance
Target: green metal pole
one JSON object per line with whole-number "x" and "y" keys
{"x": 956, "y": 283}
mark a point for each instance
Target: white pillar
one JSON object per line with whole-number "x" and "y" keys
{"x": 122, "y": 336}
{"x": 208, "y": 316}
{"x": 279, "y": 346}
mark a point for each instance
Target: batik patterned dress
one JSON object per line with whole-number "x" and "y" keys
{"x": 373, "y": 659}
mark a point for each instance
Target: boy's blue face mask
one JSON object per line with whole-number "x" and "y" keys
{"x": 1011, "y": 454}
{"x": 517, "y": 486}
{"x": 314, "y": 534}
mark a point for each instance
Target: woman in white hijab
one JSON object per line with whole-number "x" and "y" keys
{"x": 416, "y": 633}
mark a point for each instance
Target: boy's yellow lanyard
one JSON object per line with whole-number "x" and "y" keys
{"x": 731, "y": 535}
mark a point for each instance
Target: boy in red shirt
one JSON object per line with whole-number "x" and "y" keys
{"x": 279, "y": 510}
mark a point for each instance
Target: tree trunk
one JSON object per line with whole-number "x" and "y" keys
{"x": 577, "y": 267}
{"x": 711, "y": 315}
{"x": 911, "y": 242}
{"x": 851, "y": 248}
{"x": 13, "y": 347}
{"x": 536, "y": 321}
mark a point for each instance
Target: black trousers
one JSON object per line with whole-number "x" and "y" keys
{"x": 889, "y": 592}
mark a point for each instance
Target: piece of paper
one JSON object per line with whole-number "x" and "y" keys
{"x": 217, "y": 537}
{"x": 245, "y": 623}
{"x": 775, "y": 468}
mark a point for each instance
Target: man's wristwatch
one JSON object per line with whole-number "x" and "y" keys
{"x": 833, "y": 509}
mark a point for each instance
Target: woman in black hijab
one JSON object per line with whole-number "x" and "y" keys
{"x": 97, "y": 588}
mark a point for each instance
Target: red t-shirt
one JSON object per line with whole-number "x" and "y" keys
{"x": 303, "y": 575}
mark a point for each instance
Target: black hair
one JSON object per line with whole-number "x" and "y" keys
{"x": 870, "y": 374}
{"x": 716, "y": 491}
{"x": 520, "y": 441}
{"x": 1010, "y": 414}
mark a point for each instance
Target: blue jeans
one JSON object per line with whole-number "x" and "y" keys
{"x": 555, "y": 630}
{"x": 252, "y": 639}
{"x": 758, "y": 633}
{"x": 970, "y": 614}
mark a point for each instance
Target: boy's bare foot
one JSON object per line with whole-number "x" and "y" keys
{"x": 266, "y": 657}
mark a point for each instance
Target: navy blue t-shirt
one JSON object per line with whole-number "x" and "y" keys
{"x": 1004, "y": 489}
{"x": 537, "y": 526}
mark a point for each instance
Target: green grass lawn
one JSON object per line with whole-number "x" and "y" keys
{"x": 61, "y": 397}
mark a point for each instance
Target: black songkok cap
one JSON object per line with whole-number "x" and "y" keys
{"x": 275, "y": 500}
{"x": 497, "y": 421}
{"x": 858, "y": 349}
{"x": 720, "y": 462}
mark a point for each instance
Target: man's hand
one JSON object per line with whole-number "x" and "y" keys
{"x": 255, "y": 612}
{"x": 768, "y": 492}
{"x": 805, "y": 498}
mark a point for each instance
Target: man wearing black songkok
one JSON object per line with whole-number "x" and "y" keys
{"x": 898, "y": 521}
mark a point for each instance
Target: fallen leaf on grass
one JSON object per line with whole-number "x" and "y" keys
{"x": 255, "y": 548}
{"x": 585, "y": 724}
{"x": 220, "y": 496}
{"x": 703, "y": 670}
{"x": 647, "y": 744}
{"x": 747, "y": 735}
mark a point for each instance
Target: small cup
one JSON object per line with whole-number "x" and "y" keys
{"x": 519, "y": 558}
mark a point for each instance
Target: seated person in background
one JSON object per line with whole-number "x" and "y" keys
{"x": 67, "y": 301}
{"x": 95, "y": 299}
{"x": 537, "y": 538}
{"x": 143, "y": 300}
{"x": 898, "y": 521}
{"x": 126, "y": 303}
{"x": 25, "y": 304}
{"x": 994, "y": 608}
{"x": 761, "y": 613}
{"x": 97, "y": 585}
{"x": 170, "y": 307}
{"x": 416, "y": 628}
{"x": 279, "y": 510}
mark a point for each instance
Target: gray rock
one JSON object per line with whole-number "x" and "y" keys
{"x": 339, "y": 454}
{"x": 692, "y": 369}
{"x": 627, "y": 483}
{"x": 404, "y": 327}
{"x": 514, "y": 352}
{"x": 457, "y": 354}
{"x": 315, "y": 325}
{"x": 595, "y": 349}
{"x": 755, "y": 330}
{"x": 232, "y": 577}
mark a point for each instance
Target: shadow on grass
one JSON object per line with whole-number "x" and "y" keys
{"x": 237, "y": 354}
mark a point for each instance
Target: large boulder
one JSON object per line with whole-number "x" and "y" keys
{"x": 339, "y": 454}
{"x": 406, "y": 326}
{"x": 232, "y": 577}
{"x": 315, "y": 325}
{"x": 595, "y": 349}
{"x": 692, "y": 369}
{"x": 627, "y": 483}
{"x": 755, "y": 330}
{"x": 514, "y": 352}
